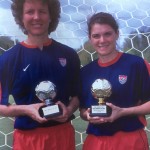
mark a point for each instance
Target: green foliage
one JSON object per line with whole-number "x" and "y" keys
{"x": 86, "y": 54}
{"x": 5, "y": 43}
{"x": 137, "y": 44}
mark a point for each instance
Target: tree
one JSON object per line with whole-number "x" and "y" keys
{"x": 5, "y": 43}
{"x": 137, "y": 44}
{"x": 87, "y": 54}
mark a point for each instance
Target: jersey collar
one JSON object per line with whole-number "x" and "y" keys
{"x": 111, "y": 62}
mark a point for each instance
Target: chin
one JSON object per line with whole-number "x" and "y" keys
{"x": 102, "y": 52}
{"x": 37, "y": 34}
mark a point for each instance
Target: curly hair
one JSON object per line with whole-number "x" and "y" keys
{"x": 54, "y": 12}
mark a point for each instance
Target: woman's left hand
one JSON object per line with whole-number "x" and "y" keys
{"x": 65, "y": 113}
{"x": 116, "y": 113}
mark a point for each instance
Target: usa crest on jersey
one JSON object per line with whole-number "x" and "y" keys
{"x": 122, "y": 79}
{"x": 63, "y": 61}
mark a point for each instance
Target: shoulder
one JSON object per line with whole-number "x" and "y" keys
{"x": 132, "y": 57}
{"x": 136, "y": 62}
{"x": 12, "y": 51}
{"x": 67, "y": 52}
{"x": 90, "y": 66}
{"x": 11, "y": 54}
{"x": 63, "y": 47}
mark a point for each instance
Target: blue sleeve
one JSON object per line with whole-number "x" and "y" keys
{"x": 75, "y": 71}
{"x": 144, "y": 82}
{"x": 5, "y": 78}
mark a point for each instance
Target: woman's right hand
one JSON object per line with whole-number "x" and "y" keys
{"x": 32, "y": 111}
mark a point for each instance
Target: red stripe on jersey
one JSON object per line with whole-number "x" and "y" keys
{"x": 0, "y": 93}
{"x": 148, "y": 66}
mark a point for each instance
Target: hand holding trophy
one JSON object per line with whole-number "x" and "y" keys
{"x": 101, "y": 90}
{"x": 46, "y": 92}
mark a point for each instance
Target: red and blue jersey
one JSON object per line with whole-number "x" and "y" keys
{"x": 23, "y": 67}
{"x": 130, "y": 81}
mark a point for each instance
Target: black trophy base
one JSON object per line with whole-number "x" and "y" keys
{"x": 50, "y": 111}
{"x": 100, "y": 111}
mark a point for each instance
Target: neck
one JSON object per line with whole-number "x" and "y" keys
{"x": 109, "y": 57}
{"x": 38, "y": 41}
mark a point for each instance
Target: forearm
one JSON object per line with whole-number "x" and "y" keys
{"x": 12, "y": 110}
{"x": 83, "y": 114}
{"x": 73, "y": 105}
{"x": 143, "y": 109}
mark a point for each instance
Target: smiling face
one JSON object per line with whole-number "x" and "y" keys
{"x": 103, "y": 38}
{"x": 36, "y": 18}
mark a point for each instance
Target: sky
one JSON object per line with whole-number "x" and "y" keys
{"x": 7, "y": 20}
{"x": 72, "y": 25}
